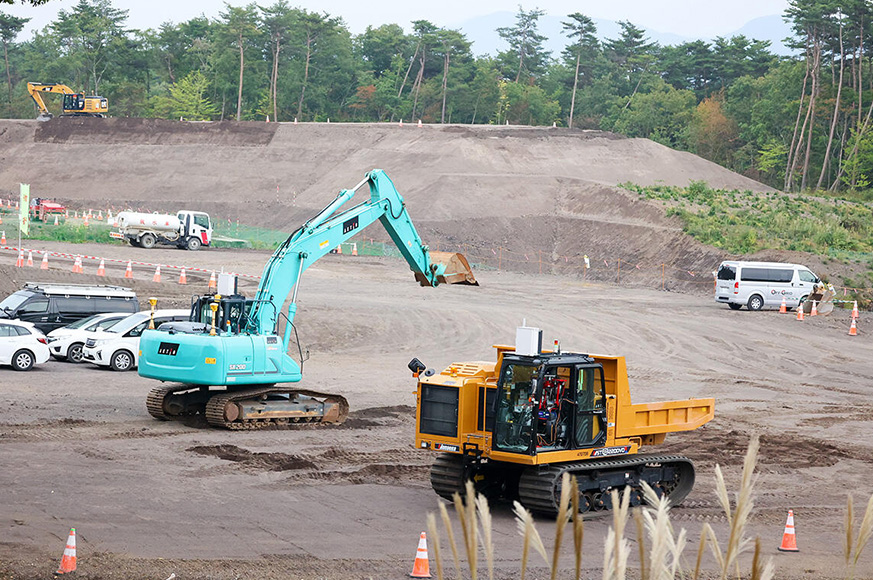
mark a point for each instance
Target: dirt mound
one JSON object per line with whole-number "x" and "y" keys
{"x": 519, "y": 198}
{"x": 257, "y": 461}
{"x": 134, "y": 131}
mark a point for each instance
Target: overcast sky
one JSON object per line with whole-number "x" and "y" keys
{"x": 690, "y": 18}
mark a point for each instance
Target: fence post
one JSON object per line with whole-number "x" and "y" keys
{"x": 662, "y": 276}
{"x": 499, "y": 258}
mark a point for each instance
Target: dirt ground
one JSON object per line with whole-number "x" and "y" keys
{"x": 151, "y": 498}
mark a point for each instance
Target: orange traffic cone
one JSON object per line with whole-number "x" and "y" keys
{"x": 129, "y": 272}
{"x": 19, "y": 263}
{"x": 800, "y": 312}
{"x": 45, "y": 261}
{"x": 421, "y": 567}
{"x": 86, "y": 220}
{"x": 339, "y": 249}
{"x": 157, "y": 276}
{"x": 419, "y": 122}
{"x": 101, "y": 269}
{"x": 30, "y": 259}
{"x": 355, "y": 249}
{"x": 100, "y": 215}
{"x": 77, "y": 266}
{"x": 182, "y": 278}
{"x": 68, "y": 562}
{"x": 855, "y": 310}
{"x": 783, "y": 308}
{"x": 789, "y": 540}
{"x": 56, "y": 219}
{"x": 2, "y": 238}
{"x": 853, "y": 330}
{"x": 212, "y": 284}
{"x": 814, "y": 311}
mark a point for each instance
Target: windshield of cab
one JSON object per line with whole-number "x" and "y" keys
{"x": 14, "y": 300}
{"x": 515, "y": 408}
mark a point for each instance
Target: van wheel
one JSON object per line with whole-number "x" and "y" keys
{"x": 735, "y": 306}
{"x": 193, "y": 244}
{"x": 756, "y": 302}
{"x": 22, "y": 360}
{"x": 147, "y": 241}
{"x": 121, "y": 361}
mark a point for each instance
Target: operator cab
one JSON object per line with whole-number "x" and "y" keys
{"x": 549, "y": 402}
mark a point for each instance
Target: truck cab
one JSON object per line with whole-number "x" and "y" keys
{"x": 197, "y": 228}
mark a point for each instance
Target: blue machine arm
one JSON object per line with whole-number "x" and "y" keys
{"x": 326, "y": 231}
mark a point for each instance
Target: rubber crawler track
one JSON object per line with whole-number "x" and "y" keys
{"x": 539, "y": 487}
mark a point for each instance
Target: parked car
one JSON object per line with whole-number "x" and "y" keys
{"x": 51, "y": 306}
{"x": 22, "y": 345}
{"x": 763, "y": 284}
{"x": 118, "y": 346}
{"x": 66, "y": 343}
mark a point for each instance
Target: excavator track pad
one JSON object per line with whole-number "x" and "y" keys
{"x": 248, "y": 408}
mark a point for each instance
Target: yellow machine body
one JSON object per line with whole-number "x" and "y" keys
{"x": 627, "y": 424}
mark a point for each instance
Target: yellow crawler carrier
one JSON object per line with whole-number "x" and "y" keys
{"x": 515, "y": 426}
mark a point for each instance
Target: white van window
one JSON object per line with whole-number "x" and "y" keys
{"x": 726, "y": 272}
{"x": 807, "y": 276}
{"x": 766, "y": 275}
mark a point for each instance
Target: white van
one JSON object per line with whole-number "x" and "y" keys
{"x": 763, "y": 284}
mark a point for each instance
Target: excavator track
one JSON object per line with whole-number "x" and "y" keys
{"x": 539, "y": 488}
{"x": 259, "y": 408}
{"x": 273, "y": 406}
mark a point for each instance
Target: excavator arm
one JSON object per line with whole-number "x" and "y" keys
{"x": 250, "y": 352}
{"x": 326, "y": 231}
{"x": 35, "y": 90}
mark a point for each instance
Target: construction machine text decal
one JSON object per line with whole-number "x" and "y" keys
{"x": 350, "y": 225}
{"x": 445, "y": 447}
{"x": 610, "y": 451}
{"x": 168, "y": 348}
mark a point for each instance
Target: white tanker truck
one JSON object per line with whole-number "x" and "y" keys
{"x": 186, "y": 229}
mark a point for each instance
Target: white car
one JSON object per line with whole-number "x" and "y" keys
{"x": 66, "y": 343}
{"x": 118, "y": 346}
{"x": 22, "y": 345}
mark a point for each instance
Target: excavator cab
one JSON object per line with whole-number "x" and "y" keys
{"x": 549, "y": 403}
{"x": 231, "y": 316}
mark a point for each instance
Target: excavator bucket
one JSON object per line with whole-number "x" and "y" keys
{"x": 458, "y": 270}
{"x": 823, "y": 296}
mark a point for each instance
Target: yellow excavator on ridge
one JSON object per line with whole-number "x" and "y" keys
{"x": 74, "y": 104}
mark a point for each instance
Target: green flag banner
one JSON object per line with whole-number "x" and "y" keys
{"x": 24, "y": 209}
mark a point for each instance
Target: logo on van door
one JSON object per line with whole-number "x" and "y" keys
{"x": 783, "y": 292}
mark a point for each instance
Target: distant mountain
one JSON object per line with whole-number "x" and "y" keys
{"x": 482, "y": 32}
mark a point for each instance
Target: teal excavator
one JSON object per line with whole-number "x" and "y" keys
{"x": 229, "y": 361}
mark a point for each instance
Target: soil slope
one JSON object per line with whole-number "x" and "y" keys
{"x": 549, "y": 193}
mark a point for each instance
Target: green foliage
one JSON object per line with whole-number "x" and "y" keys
{"x": 746, "y": 222}
{"x": 186, "y": 99}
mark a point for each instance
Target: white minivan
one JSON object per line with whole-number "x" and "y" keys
{"x": 763, "y": 284}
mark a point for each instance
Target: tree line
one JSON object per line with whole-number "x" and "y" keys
{"x": 798, "y": 123}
